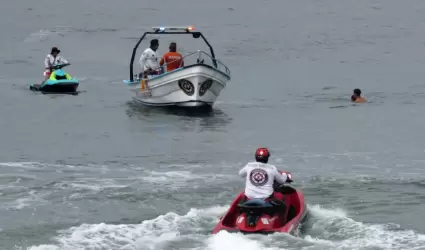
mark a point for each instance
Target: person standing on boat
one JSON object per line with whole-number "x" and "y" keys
{"x": 149, "y": 60}
{"x": 261, "y": 176}
{"x": 172, "y": 59}
{"x": 52, "y": 60}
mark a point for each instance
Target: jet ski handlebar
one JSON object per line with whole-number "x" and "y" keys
{"x": 289, "y": 176}
{"x": 59, "y": 66}
{"x": 288, "y": 182}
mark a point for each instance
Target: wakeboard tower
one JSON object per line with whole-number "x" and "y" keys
{"x": 197, "y": 83}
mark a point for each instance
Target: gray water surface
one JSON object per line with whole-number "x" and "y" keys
{"x": 96, "y": 171}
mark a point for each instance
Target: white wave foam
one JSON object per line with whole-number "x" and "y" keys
{"x": 150, "y": 234}
{"x": 90, "y": 184}
{"x": 323, "y": 213}
{"x": 230, "y": 241}
{"x": 44, "y": 34}
{"x": 331, "y": 229}
{"x": 19, "y": 164}
{"x": 38, "y": 36}
{"x": 31, "y": 199}
{"x": 57, "y": 167}
{"x": 80, "y": 181}
{"x": 178, "y": 179}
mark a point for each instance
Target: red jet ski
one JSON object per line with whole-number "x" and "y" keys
{"x": 265, "y": 217}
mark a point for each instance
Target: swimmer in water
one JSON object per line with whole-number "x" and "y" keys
{"x": 356, "y": 97}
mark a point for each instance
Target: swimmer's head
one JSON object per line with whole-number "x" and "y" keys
{"x": 357, "y": 92}
{"x": 353, "y": 98}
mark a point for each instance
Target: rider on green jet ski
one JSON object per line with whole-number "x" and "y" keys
{"x": 52, "y": 60}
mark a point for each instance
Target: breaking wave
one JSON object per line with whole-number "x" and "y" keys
{"x": 326, "y": 229}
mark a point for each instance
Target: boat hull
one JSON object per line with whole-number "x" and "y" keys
{"x": 194, "y": 86}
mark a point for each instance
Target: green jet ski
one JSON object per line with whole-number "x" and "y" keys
{"x": 58, "y": 82}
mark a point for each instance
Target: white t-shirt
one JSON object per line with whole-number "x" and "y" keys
{"x": 52, "y": 61}
{"x": 260, "y": 178}
{"x": 149, "y": 59}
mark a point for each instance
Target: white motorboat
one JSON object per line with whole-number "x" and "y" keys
{"x": 196, "y": 84}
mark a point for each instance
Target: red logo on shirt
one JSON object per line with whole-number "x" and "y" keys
{"x": 258, "y": 177}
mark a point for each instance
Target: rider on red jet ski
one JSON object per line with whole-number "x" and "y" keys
{"x": 261, "y": 176}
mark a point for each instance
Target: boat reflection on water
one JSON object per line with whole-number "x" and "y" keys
{"x": 206, "y": 118}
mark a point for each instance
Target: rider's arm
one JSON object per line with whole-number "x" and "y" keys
{"x": 62, "y": 60}
{"x": 47, "y": 63}
{"x": 280, "y": 178}
{"x": 243, "y": 172}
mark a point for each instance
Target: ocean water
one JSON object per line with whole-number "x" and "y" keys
{"x": 96, "y": 171}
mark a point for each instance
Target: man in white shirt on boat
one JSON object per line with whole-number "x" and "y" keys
{"x": 52, "y": 60}
{"x": 149, "y": 60}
